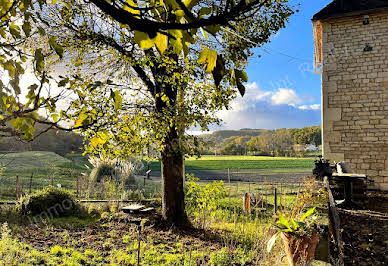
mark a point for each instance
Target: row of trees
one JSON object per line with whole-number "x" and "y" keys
{"x": 281, "y": 142}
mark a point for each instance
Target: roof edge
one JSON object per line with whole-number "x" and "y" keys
{"x": 349, "y": 14}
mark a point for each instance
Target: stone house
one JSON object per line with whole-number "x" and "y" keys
{"x": 351, "y": 54}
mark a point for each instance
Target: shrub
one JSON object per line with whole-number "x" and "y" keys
{"x": 203, "y": 196}
{"x": 49, "y": 202}
{"x": 132, "y": 195}
{"x": 120, "y": 171}
{"x": 202, "y": 201}
{"x": 220, "y": 257}
{"x": 102, "y": 171}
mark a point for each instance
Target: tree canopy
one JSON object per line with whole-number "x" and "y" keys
{"x": 223, "y": 33}
{"x": 131, "y": 74}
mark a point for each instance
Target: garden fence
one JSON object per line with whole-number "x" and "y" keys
{"x": 237, "y": 182}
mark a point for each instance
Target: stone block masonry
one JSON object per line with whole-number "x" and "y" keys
{"x": 355, "y": 93}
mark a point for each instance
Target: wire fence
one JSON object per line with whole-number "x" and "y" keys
{"x": 238, "y": 182}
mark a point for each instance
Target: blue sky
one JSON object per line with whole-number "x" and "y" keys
{"x": 283, "y": 91}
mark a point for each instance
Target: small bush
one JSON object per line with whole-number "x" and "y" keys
{"x": 110, "y": 177}
{"x": 49, "y": 202}
{"x": 203, "y": 200}
{"x": 103, "y": 170}
{"x": 114, "y": 169}
{"x": 220, "y": 257}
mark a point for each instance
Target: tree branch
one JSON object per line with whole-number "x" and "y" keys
{"x": 148, "y": 25}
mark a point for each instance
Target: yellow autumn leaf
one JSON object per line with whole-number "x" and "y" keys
{"x": 161, "y": 42}
{"x": 209, "y": 57}
{"x": 178, "y": 34}
{"x": 144, "y": 40}
{"x": 96, "y": 141}
{"x": 177, "y": 45}
{"x": 190, "y": 3}
{"x": 179, "y": 13}
{"x": 55, "y": 117}
{"x": 80, "y": 120}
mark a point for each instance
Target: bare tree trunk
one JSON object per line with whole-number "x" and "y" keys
{"x": 173, "y": 202}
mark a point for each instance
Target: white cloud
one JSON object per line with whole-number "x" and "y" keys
{"x": 265, "y": 115}
{"x": 315, "y": 106}
{"x": 285, "y": 96}
{"x": 310, "y": 107}
{"x": 252, "y": 95}
{"x": 269, "y": 109}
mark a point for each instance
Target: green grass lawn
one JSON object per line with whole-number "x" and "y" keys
{"x": 32, "y": 159}
{"x": 42, "y": 166}
{"x": 242, "y": 162}
{"x": 45, "y": 166}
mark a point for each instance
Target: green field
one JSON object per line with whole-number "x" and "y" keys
{"x": 48, "y": 167}
{"x": 44, "y": 167}
{"x": 32, "y": 159}
{"x": 242, "y": 162}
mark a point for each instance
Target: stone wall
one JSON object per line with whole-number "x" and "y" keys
{"x": 355, "y": 94}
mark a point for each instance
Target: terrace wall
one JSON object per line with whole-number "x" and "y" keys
{"x": 355, "y": 94}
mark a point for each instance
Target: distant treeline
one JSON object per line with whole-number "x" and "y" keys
{"x": 60, "y": 142}
{"x": 238, "y": 133}
{"x": 280, "y": 142}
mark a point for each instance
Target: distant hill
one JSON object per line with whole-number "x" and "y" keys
{"x": 31, "y": 159}
{"x": 238, "y": 133}
{"x": 60, "y": 142}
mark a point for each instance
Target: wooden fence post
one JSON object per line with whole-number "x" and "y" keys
{"x": 281, "y": 196}
{"x": 276, "y": 201}
{"x": 77, "y": 186}
{"x": 17, "y": 187}
{"x": 139, "y": 242}
{"x": 247, "y": 203}
{"x": 139, "y": 192}
{"x": 229, "y": 184}
{"x": 30, "y": 186}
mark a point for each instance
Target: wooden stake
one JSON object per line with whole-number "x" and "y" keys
{"x": 229, "y": 183}
{"x": 276, "y": 201}
{"x": 30, "y": 186}
{"x": 281, "y": 190}
{"x": 17, "y": 187}
{"x": 77, "y": 187}
{"x": 138, "y": 248}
